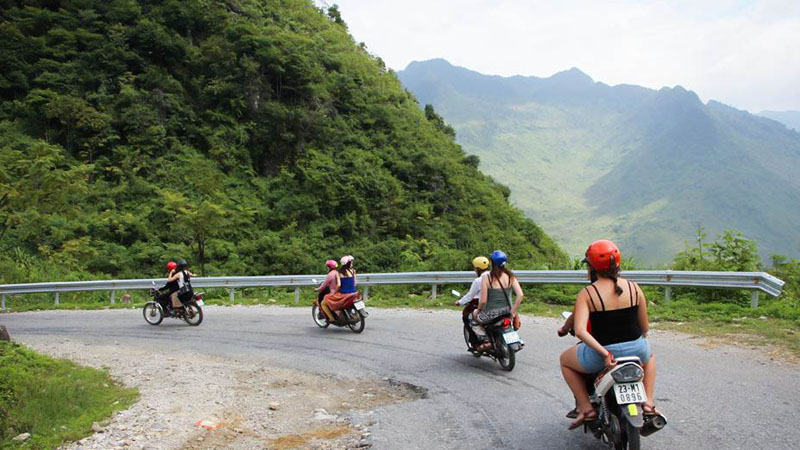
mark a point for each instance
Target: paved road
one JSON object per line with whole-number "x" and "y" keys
{"x": 716, "y": 397}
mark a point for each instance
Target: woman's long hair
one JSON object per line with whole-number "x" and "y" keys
{"x": 612, "y": 274}
{"x": 499, "y": 270}
{"x": 344, "y": 269}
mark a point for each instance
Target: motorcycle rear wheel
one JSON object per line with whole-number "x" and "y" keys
{"x": 358, "y": 327}
{"x": 193, "y": 314}
{"x": 152, "y": 313}
{"x": 505, "y": 356}
{"x": 633, "y": 437}
{"x": 315, "y": 312}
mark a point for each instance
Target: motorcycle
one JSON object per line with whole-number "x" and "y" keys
{"x": 505, "y": 341}
{"x": 353, "y": 315}
{"x": 617, "y": 394}
{"x": 157, "y": 309}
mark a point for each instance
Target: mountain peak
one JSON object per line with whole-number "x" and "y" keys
{"x": 435, "y": 62}
{"x": 573, "y": 75}
{"x": 679, "y": 92}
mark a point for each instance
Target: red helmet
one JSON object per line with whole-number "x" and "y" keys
{"x": 603, "y": 255}
{"x": 172, "y": 265}
{"x": 331, "y": 264}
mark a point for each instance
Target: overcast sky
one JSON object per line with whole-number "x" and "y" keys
{"x": 745, "y": 53}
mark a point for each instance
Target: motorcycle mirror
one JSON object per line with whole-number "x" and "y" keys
{"x": 566, "y": 314}
{"x": 456, "y": 293}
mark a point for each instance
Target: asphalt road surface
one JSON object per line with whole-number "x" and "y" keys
{"x": 715, "y": 396}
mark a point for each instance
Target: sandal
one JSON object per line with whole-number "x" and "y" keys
{"x": 486, "y": 346}
{"x": 573, "y": 414}
{"x": 650, "y": 410}
{"x": 582, "y": 420}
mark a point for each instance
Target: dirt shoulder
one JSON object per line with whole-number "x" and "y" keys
{"x": 243, "y": 405}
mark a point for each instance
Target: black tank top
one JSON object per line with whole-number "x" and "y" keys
{"x": 618, "y": 325}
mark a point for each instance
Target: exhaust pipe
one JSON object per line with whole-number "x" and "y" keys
{"x": 652, "y": 424}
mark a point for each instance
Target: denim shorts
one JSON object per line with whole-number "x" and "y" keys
{"x": 592, "y": 362}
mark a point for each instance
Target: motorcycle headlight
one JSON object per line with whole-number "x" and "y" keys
{"x": 628, "y": 373}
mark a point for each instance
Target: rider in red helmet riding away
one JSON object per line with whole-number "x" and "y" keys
{"x": 470, "y": 299}
{"x": 618, "y": 311}
{"x": 172, "y": 285}
{"x": 331, "y": 282}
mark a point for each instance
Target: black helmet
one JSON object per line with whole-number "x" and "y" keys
{"x": 182, "y": 264}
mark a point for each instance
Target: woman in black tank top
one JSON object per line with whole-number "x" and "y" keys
{"x": 617, "y": 310}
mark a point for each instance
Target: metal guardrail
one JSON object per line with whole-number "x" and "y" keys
{"x": 754, "y": 281}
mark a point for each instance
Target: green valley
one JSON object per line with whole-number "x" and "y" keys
{"x": 640, "y": 166}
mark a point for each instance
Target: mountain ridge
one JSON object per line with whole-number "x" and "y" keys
{"x": 644, "y": 166}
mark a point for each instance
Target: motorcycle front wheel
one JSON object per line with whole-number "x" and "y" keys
{"x": 152, "y": 313}
{"x": 321, "y": 322}
{"x": 193, "y": 314}
{"x": 505, "y": 356}
{"x": 358, "y": 326}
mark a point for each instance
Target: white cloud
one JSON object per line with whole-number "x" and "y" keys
{"x": 740, "y": 52}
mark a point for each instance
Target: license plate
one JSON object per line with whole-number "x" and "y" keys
{"x": 200, "y": 303}
{"x": 359, "y": 305}
{"x": 512, "y": 337}
{"x": 630, "y": 393}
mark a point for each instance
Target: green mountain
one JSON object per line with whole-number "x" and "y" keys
{"x": 644, "y": 167}
{"x": 249, "y": 136}
{"x": 789, "y": 118}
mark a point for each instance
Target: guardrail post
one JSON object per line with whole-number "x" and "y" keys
{"x": 232, "y": 295}
{"x": 56, "y": 301}
{"x": 754, "y": 299}
{"x": 3, "y": 301}
{"x": 433, "y": 292}
{"x": 366, "y": 293}
{"x": 113, "y": 297}
{"x": 667, "y": 294}
{"x": 297, "y": 295}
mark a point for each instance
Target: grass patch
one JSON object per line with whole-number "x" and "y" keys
{"x": 54, "y": 400}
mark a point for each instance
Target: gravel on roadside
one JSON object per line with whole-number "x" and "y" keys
{"x": 243, "y": 405}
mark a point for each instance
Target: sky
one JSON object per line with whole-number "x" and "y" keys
{"x": 745, "y": 53}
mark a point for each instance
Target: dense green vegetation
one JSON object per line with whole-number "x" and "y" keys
{"x": 55, "y": 401}
{"x": 640, "y": 166}
{"x": 249, "y": 136}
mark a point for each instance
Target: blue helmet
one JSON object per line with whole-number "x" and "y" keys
{"x": 498, "y": 258}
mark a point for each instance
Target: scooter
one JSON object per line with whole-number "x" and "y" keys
{"x": 505, "y": 341}
{"x": 617, "y": 395}
{"x": 353, "y": 315}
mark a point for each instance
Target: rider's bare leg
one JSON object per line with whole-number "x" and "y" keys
{"x": 327, "y": 310}
{"x": 574, "y": 376}
{"x": 650, "y": 383}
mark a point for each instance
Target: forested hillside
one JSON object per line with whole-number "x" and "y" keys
{"x": 249, "y": 136}
{"x": 643, "y": 167}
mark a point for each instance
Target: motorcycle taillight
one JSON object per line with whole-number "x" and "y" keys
{"x": 506, "y": 322}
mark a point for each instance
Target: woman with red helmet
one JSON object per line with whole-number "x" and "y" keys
{"x": 331, "y": 281}
{"x": 172, "y": 285}
{"x": 618, "y": 311}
